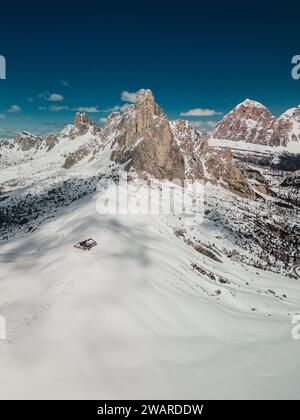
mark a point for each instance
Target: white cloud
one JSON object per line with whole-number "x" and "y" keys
{"x": 87, "y": 109}
{"x": 128, "y": 97}
{"x": 203, "y": 124}
{"x": 55, "y": 97}
{"x": 57, "y": 108}
{"x": 211, "y": 124}
{"x": 15, "y": 108}
{"x": 112, "y": 109}
{"x": 196, "y": 124}
{"x": 51, "y": 97}
{"x": 54, "y": 108}
{"x": 2, "y": 117}
{"x": 199, "y": 112}
{"x": 103, "y": 120}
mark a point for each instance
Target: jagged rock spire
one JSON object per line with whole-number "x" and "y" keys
{"x": 145, "y": 141}
{"x": 82, "y": 118}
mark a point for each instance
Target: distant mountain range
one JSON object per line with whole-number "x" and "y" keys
{"x": 140, "y": 138}
{"x": 253, "y": 123}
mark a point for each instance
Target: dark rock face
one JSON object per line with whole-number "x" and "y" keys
{"x": 144, "y": 140}
{"x": 287, "y": 162}
{"x": 292, "y": 179}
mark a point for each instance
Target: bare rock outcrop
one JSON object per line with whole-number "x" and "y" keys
{"x": 25, "y": 141}
{"x": 144, "y": 140}
{"x": 193, "y": 144}
{"x": 51, "y": 141}
{"x": 207, "y": 164}
{"x": 82, "y": 124}
{"x": 87, "y": 150}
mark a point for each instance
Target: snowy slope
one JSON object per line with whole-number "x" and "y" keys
{"x": 134, "y": 319}
{"x": 192, "y": 305}
{"x": 292, "y": 147}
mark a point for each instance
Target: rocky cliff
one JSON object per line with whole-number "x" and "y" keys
{"x": 143, "y": 140}
{"x": 206, "y": 163}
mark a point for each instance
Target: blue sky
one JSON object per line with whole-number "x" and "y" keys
{"x": 62, "y": 56}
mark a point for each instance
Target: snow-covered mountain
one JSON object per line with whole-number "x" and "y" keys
{"x": 252, "y": 122}
{"x": 179, "y": 303}
{"x": 286, "y": 129}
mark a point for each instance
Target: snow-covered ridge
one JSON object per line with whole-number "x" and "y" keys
{"x": 292, "y": 147}
{"x": 251, "y": 104}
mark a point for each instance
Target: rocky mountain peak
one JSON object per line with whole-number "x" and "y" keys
{"x": 292, "y": 113}
{"x": 250, "y": 103}
{"x": 252, "y": 110}
{"x": 145, "y": 95}
{"x": 145, "y": 102}
{"x": 252, "y": 122}
{"x": 82, "y": 123}
{"x": 144, "y": 140}
{"x": 287, "y": 128}
{"x": 249, "y": 121}
{"x": 82, "y": 119}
